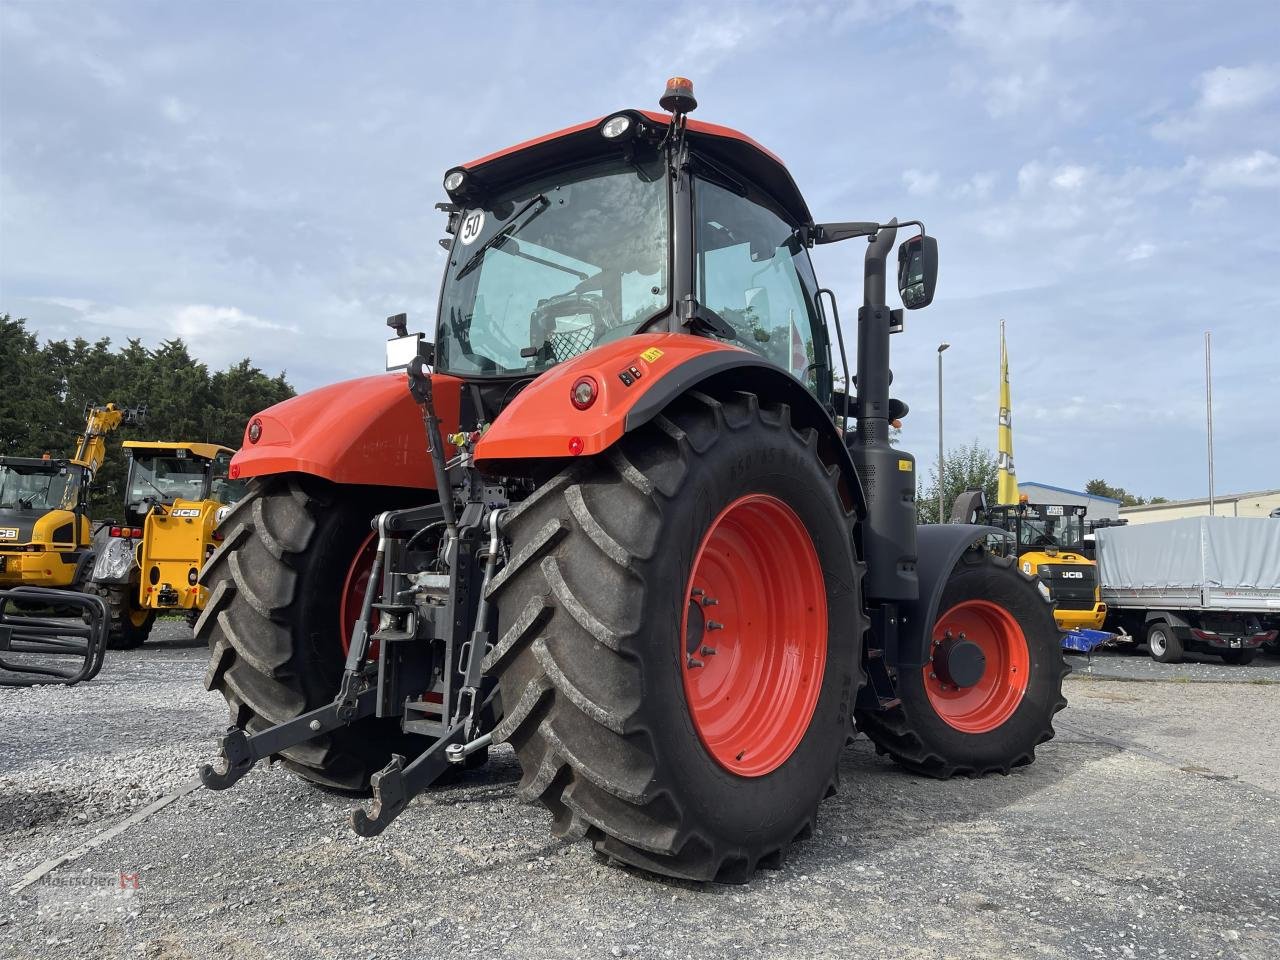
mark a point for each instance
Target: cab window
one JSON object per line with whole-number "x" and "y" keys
{"x": 223, "y": 488}
{"x": 755, "y": 273}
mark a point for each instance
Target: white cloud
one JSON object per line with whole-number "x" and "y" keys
{"x": 920, "y": 183}
{"x": 1225, "y": 92}
{"x": 978, "y": 187}
{"x": 1238, "y": 88}
{"x": 1140, "y": 251}
{"x": 1019, "y": 41}
{"x": 1260, "y": 169}
{"x": 175, "y": 110}
{"x": 1070, "y": 177}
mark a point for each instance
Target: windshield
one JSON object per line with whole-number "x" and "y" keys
{"x": 582, "y": 259}
{"x": 1052, "y": 531}
{"x": 166, "y": 478}
{"x": 36, "y": 488}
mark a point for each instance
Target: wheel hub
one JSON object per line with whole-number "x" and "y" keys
{"x": 959, "y": 662}
{"x": 978, "y": 667}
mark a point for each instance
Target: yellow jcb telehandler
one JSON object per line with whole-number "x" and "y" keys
{"x": 46, "y": 536}
{"x": 175, "y": 495}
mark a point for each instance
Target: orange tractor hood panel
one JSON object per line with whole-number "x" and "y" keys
{"x": 543, "y": 422}
{"x": 366, "y": 431}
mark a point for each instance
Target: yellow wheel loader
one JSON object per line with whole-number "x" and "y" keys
{"x": 1049, "y": 540}
{"x": 46, "y": 537}
{"x": 175, "y": 496}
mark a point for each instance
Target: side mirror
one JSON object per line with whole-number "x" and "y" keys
{"x": 917, "y": 271}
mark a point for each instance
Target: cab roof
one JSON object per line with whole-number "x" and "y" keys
{"x": 206, "y": 450}
{"x": 51, "y": 464}
{"x": 583, "y": 141}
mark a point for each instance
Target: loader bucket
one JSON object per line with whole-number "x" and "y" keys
{"x": 36, "y": 649}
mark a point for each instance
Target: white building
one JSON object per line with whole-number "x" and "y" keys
{"x": 1099, "y": 508}
{"x": 1261, "y": 503}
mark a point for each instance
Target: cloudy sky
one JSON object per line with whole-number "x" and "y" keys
{"x": 258, "y": 178}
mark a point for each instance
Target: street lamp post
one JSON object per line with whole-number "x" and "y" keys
{"x": 941, "y": 462}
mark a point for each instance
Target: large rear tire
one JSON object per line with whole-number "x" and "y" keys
{"x": 942, "y": 729}
{"x": 701, "y": 770}
{"x": 272, "y": 621}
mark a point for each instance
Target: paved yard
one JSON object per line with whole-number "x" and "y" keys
{"x": 1149, "y": 828}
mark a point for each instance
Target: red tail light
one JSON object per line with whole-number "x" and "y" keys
{"x": 115, "y": 532}
{"x": 137, "y": 532}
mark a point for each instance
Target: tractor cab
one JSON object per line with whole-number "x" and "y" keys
{"x": 161, "y": 474}
{"x": 42, "y": 520}
{"x": 1049, "y": 539}
{"x": 176, "y": 494}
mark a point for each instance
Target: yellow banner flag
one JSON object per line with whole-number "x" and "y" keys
{"x": 1008, "y": 492}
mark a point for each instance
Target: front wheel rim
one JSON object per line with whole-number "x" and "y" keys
{"x": 754, "y": 635}
{"x": 993, "y": 699}
{"x": 1158, "y": 644}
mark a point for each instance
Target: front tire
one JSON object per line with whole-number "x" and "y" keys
{"x": 128, "y": 624}
{"x": 1163, "y": 643}
{"x": 944, "y": 729}
{"x": 605, "y": 606}
{"x": 274, "y": 622}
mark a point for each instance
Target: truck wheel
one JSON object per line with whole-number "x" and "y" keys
{"x": 986, "y": 698}
{"x": 275, "y": 624}
{"x": 681, "y": 638}
{"x": 1163, "y": 643}
{"x": 1238, "y": 657}
{"x": 128, "y": 624}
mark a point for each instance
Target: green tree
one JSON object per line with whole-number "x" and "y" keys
{"x": 45, "y": 390}
{"x": 970, "y": 467}
{"x": 1100, "y": 488}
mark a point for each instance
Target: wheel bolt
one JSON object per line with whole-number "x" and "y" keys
{"x": 708, "y": 651}
{"x": 710, "y": 602}
{"x": 697, "y": 591}
{"x": 714, "y": 625}
{"x": 693, "y": 662}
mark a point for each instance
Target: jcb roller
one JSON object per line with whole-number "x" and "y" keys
{"x": 617, "y": 516}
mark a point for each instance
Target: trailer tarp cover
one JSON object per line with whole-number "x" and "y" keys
{"x": 1232, "y": 555}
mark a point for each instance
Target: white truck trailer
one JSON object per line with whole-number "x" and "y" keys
{"x": 1210, "y": 584}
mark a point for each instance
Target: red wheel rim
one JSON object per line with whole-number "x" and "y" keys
{"x": 757, "y": 598}
{"x": 991, "y": 701}
{"x": 352, "y": 597}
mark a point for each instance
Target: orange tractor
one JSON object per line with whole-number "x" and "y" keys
{"x": 618, "y": 516}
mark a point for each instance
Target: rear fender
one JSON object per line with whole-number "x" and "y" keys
{"x": 939, "y": 549}
{"x": 543, "y": 424}
{"x": 366, "y": 431}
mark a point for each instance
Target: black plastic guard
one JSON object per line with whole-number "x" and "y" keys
{"x": 940, "y": 548}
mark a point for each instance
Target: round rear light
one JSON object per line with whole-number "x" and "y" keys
{"x": 255, "y": 431}
{"x": 576, "y": 446}
{"x": 584, "y": 392}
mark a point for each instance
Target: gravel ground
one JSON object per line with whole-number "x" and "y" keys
{"x": 1131, "y": 662}
{"x": 1149, "y": 828}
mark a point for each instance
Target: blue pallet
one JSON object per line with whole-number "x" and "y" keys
{"x": 1081, "y": 640}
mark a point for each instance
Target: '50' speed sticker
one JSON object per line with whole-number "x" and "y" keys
{"x": 472, "y": 224}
